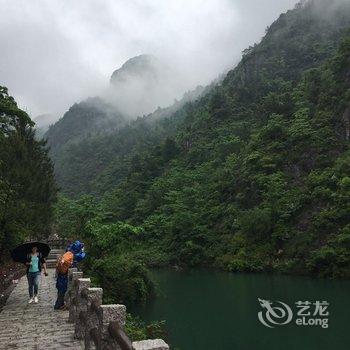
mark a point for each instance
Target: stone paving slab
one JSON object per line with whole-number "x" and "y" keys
{"x": 36, "y": 326}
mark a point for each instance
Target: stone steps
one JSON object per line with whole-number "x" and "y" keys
{"x": 36, "y": 326}
{"x": 56, "y": 251}
{"x": 51, "y": 263}
{"x": 54, "y": 254}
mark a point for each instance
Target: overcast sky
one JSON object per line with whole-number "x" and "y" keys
{"x": 57, "y": 52}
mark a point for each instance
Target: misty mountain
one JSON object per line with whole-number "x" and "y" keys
{"x": 300, "y": 39}
{"x": 188, "y": 97}
{"x": 83, "y": 120}
{"x": 43, "y": 120}
{"x": 137, "y": 88}
{"x": 142, "y": 67}
{"x": 253, "y": 175}
{"x": 98, "y": 153}
{"x": 142, "y": 84}
{"x": 42, "y": 123}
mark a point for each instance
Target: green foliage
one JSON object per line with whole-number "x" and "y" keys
{"x": 275, "y": 188}
{"x": 124, "y": 280}
{"x": 72, "y": 217}
{"x": 27, "y": 188}
{"x": 254, "y": 175}
{"x": 137, "y": 330}
{"x": 112, "y": 260}
{"x": 257, "y": 222}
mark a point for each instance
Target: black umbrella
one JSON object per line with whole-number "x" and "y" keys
{"x": 20, "y": 253}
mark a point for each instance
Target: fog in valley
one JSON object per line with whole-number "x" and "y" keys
{"x": 56, "y": 53}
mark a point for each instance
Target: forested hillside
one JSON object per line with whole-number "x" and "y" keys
{"x": 83, "y": 120}
{"x": 252, "y": 176}
{"x": 92, "y": 145}
{"x": 27, "y": 187}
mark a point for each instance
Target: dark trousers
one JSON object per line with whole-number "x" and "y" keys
{"x": 33, "y": 283}
{"x": 60, "y": 300}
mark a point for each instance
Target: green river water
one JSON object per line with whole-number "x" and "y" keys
{"x": 210, "y": 310}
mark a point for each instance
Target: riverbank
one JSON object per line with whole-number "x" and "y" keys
{"x": 154, "y": 254}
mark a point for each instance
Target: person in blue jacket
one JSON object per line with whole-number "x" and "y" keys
{"x": 77, "y": 248}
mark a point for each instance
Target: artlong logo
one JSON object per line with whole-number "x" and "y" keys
{"x": 274, "y": 315}
{"x": 278, "y": 313}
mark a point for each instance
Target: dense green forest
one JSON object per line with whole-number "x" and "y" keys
{"x": 95, "y": 141}
{"x": 27, "y": 187}
{"x": 252, "y": 176}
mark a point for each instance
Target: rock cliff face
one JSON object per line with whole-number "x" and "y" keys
{"x": 142, "y": 84}
{"x": 143, "y": 67}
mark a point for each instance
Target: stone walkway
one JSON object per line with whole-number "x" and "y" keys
{"x": 35, "y": 326}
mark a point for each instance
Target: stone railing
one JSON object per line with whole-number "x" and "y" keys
{"x": 100, "y": 326}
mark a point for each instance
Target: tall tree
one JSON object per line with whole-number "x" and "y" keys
{"x": 27, "y": 187}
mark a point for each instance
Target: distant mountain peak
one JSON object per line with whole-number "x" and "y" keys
{"x": 142, "y": 66}
{"x": 142, "y": 84}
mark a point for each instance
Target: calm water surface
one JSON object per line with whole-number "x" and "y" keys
{"x": 208, "y": 310}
